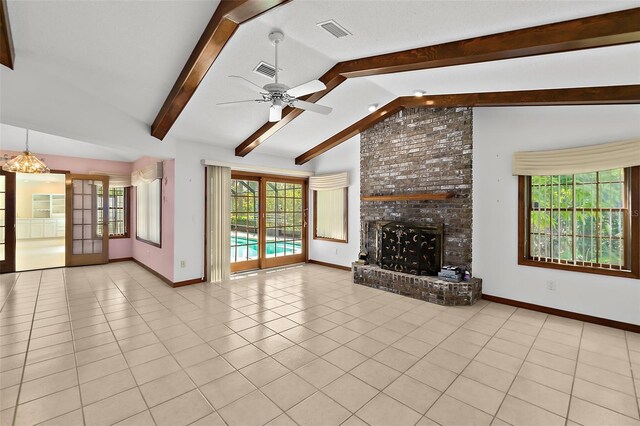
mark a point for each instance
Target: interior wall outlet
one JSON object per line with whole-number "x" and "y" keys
{"x": 551, "y": 285}
{"x": 183, "y": 264}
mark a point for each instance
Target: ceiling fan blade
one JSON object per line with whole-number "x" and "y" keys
{"x": 247, "y": 83}
{"x": 306, "y": 88}
{"x": 239, "y": 102}
{"x": 275, "y": 113}
{"x": 312, "y": 107}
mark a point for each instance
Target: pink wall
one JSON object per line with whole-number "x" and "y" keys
{"x": 120, "y": 247}
{"x": 160, "y": 259}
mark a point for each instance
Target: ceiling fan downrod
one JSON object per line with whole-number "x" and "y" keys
{"x": 276, "y": 37}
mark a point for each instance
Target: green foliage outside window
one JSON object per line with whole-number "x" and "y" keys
{"x": 578, "y": 218}
{"x": 117, "y": 212}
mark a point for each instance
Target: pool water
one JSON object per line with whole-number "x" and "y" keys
{"x": 274, "y": 248}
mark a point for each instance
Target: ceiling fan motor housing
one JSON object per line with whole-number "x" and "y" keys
{"x": 276, "y": 87}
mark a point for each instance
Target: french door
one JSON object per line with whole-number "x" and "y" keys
{"x": 7, "y": 221}
{"x": 268, "y": 221}
{"x": 87, "y": 239}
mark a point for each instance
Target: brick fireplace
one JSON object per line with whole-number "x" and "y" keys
{"x": 419, "y": 150}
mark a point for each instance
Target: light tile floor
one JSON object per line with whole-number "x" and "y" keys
{"x": 39, "y": 253}
{"x": 114, "y": 345}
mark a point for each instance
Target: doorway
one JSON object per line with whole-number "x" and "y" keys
{"x": 40, "y": 221}
{"x": 268, "y": 221}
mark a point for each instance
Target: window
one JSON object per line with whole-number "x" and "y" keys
{"x": 586, "y": 222}
{"x": 118, "y": 212}
{"x": 330, "y": 215}
{"x": 148, "y": 212}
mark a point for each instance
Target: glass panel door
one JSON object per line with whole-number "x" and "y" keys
{"x": 268, "y": 221}
{"x": 285, "y": 224}
{"x": 245, "y": 226}
{"x": 87, "y": 205}
{"x": 7, "y": 222}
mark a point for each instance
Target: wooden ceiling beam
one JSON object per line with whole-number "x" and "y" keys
{"x": 229, "y": 15}
{"x": 603, "y": 95}
{"x": 7, "y": 53}
{"x": 609, "y": 29}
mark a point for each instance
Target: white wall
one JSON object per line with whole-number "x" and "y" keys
{"x": 497, "y": 133}
{"x": 345, "y": 157}
{"x": 189, "y": 220}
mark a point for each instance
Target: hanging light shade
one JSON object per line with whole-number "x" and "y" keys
{"x": 25, "y": 162}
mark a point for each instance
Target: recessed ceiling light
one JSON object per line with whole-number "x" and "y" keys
{"x": 419, "y": 93}
{"x": 373, "y": 107}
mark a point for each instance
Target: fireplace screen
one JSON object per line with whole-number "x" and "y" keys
{"x": 409, "y": 248}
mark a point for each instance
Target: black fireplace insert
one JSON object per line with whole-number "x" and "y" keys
{"x": 410, "y": 248}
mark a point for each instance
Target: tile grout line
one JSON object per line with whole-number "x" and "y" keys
{"x": 506, "y": 393}
{"x": 319, "y": 390}
{"x": 606, "y": 387}
{"x": 73, "y": 341}
{"x": 470, "y": 360}
{"x": 575, "y": 369}
{"x": 633, "y": 374}
{"x": 15, "y": 281}
{"x": 298, "y": 345}
{"x": 24, "y": 366}
{"x": 401, "y": 373}
{"x": 160, "y": 341}
{"x": 117, "y": 343}
{"x": 284, "y": 412}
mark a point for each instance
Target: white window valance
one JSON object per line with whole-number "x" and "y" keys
{"x": 329, "y": 182}
{"x": 147, "y": 174}
{"x": 115, "y": 180}
{"x": 577, "y": 160}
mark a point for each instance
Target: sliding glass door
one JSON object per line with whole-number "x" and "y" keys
{"x": 245, "y": 236}
{"x": 268, "y": 221}
{"x": 285, "y": 210}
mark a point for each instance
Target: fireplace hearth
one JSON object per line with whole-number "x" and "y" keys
{"x": 406, "y": 258}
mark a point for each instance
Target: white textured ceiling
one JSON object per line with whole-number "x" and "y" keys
{"x": 14, "y": 139}
{"x": 98, "y": 71}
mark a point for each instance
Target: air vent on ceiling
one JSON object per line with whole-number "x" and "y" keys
{"x": 333, "y": 28}
{"x": 265, "y": 70}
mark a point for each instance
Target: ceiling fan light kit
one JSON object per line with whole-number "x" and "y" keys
{"x": 278, "y": 94}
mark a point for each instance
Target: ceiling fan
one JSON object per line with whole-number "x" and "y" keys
{"x": 280, "y": 95}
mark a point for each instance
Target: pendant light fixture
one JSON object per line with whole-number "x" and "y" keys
{"x": 25, "y": 162}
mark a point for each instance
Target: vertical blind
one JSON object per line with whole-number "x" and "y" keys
{"x": 148, "y": 210}
{"x": 330, "y": 208}
{"x": 148, "y": 183}
{"x": 330, "y": 211}
{"x": 219, "y": 223}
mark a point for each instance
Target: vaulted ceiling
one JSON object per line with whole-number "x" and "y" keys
{"x": 100, "y": 71}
